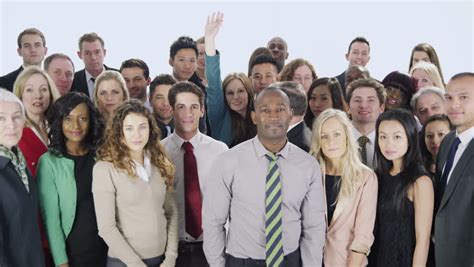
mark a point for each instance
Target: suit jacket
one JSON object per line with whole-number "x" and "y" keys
{"x": 352, "y": 223}
{"x": 8, "y": 80}
{"x": 454, "y": 221}
{"x": 20, "y": 241}
{"x": 342, "y": 80}
{"x": 297, "y": 136}
{"x": 79, "y": 84}
{"x": 32, "y": 148}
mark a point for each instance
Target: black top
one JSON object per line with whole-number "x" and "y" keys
{"x": 395, "y": 228}
{"x": 84, "y": 246}
{"x": 163, "y": 128}
{"x": 333, "y": 184}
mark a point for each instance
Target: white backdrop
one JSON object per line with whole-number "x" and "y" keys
{"x": 315, "y": 30}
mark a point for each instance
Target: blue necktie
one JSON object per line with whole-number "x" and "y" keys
{"x": 448, "y": 166}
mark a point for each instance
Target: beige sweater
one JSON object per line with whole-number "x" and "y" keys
{"x": 137, "y": 219}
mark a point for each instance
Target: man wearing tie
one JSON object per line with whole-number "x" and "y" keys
{"x": 270, "y": 192}
{"x": 454, "y": 179}
{"x": 193, "y": 153}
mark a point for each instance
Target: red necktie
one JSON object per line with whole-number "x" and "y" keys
{"x": 192, "y": 193}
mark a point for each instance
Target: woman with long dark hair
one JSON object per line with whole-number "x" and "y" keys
{"x": 432, "y": 134}
{"x": 406, "y": 198}
{"x": 65, "y": 182}
{"x": 229, "y": 103}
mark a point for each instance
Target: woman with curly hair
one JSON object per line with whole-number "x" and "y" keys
{"x": 65, "y": 183}
{"x": 132, "y": 183}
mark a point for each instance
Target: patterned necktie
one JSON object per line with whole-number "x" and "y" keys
{"x": 448, "y": 167}
{"x": 192, "y": 193}
{"x": 363, "y": 140}
{"x": 273, "y": 214}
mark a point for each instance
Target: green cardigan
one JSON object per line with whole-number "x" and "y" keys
{"x": 58, "y": 196}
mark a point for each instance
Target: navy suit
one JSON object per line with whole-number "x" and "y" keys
{"x": 8, "y": 80}
{"x": 79, "y": 83}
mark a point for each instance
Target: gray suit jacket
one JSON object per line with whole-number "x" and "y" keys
{"x": 454, "y": 221}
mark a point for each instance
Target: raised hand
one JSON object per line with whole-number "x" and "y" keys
{"x": 213, "y": 25}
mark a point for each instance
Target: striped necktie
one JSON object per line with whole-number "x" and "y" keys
{"x": 273, "y": 214}
{"x": 363, "y": 140}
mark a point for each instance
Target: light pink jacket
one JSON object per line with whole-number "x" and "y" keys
{"x": 352, "y": 224}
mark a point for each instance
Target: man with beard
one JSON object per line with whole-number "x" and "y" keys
{"x": 137, "y": 76}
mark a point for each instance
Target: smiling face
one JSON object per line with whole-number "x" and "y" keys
{"x": 279, "y": 49}
{"x": 395, "y": 98}
{"x": 136, "y": 82}
{"x": 136, "y": 132}
{"x": 435, "y": 132}
{"x": 333, "y": 140}
{"x": 393, "y": 140}
{"x": 75, "y": 125}
{"x": 365, "y": 106}
{"x": 186, "y": 112}
{"x": 272, "y": 116}
{"x": 420, "y": 56}
{"x": 109, "y": 96}
{"x": 359, "y": 54}
{"x": 320, "y": 100}
{"x": 160, "y": 103}
{"x": 460, "y": 102}
{"x": 11, "y": 123}
{"x": 36, "y": 95}
{"x": 236, "y": 96}
{"x": 263, "y": 75}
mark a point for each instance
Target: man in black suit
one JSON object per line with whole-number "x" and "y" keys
{"x": 358, "y": 53}
{"x": 454, "y": 179}
{"x": 162, "y": 110}
{"x": 32, "y": 48}
{"x": 298, "y": 133}
{"x": 92, "y": 52}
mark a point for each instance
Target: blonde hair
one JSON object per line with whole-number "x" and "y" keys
{"x": 107, "y": 76}
{"x": 19, "y": 87}
{"x": 351, "y": 167}
{"x": 431, "y": 70}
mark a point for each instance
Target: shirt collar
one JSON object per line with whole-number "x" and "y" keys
{"x": 294, "y": 125}
{"x": 178, "y": 141}
{"x": 371, "y": 135}
{"x": 466, "y": 136}
{"x": 262, "y": 151}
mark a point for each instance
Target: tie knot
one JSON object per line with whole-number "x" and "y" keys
{"x": 456, "y": 143}
{"x": 93, "y": 79}
{"x": 271, "y": 157}
{"x": 187, "y": 146}
{"x": 363, "y": 140}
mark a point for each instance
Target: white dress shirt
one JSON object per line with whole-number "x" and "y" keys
{"x": 465, "y": 138}
{"x": 370, "y": 147}
{"x": 206, "y": 150}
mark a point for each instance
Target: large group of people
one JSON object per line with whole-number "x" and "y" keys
{"x": 270, "y": 166}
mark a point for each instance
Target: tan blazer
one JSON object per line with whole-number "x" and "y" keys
{"x": 352, "y": 224}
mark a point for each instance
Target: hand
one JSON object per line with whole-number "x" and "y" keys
{"x": 213, "y": 25}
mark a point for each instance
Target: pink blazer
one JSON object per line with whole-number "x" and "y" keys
{"x": 352, "y": 224}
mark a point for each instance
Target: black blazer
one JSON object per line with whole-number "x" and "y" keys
{"x": 20, "y": 241}
{"x": 342, "y": 80}
{"x": 8, "y": 80}
{"x": 79, "y": 84}
{"x": 454, "y": 221}
{"x": 297, "y": 136}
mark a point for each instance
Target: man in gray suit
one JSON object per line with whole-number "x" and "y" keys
{"x": 454, "y": 179}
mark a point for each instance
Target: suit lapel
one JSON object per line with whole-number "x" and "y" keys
{"x": 458, "y": 170}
